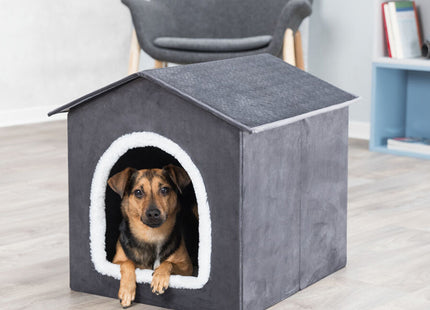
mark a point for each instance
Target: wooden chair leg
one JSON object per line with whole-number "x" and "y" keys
{"x": 160, "y": 64}
{"x": 133, "y": 64}
{"x": 288, "y": 50}
{"x": 298, "y": 49}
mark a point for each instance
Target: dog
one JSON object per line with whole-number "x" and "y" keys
{"x": 151, "y": 236}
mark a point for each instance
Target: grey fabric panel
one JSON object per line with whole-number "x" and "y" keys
{"x": 81, "y": 163}
{"x": 213, "y": 19}
{"x": 324, "y": 196}
{"x": 213, "y": 146}
{"x": 271, "y": 215}
{"x": 273, "y": 91}
{"x": 94, "y": 94}
{"x": 213, "y": 45}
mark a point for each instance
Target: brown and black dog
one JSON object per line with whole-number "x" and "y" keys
{"x": 150, "y": 233}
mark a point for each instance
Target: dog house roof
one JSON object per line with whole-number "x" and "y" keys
{"x": 253, "y": 93}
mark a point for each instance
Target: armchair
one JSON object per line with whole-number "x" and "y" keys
{"x": 190, "y": 31}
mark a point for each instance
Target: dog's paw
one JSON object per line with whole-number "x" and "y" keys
{"x": 160, "y": 282}
{"x": 126, "y": 294}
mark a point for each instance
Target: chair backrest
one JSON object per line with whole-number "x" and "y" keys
{"x": 210, "y": 18}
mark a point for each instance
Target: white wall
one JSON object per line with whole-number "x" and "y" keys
{"x": 53, "y": 51}
{"x": 341, "y": 50}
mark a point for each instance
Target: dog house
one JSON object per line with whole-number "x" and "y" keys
{"x": 265, "y": 145}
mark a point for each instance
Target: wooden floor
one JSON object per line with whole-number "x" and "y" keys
{"x": 388, "y": 231}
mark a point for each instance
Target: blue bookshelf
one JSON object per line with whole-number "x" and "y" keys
{"x": 400, "y": 102}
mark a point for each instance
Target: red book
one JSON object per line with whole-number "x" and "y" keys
{"x": 386, "y": 28}
{"x": 418, "y": 25}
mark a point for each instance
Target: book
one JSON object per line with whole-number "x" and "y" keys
{"x": 403, "y": 22}
{"x": 409, "y": 144}
{"x": 388, "y": 30}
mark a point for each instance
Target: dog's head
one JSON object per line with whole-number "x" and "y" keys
{"x": 150, "y": 195}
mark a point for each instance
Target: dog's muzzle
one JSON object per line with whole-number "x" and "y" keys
{"x": 153, "y": 218}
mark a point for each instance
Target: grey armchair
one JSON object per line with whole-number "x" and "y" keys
{"x": 190, "y": 31}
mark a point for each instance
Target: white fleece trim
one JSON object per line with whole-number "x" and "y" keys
{"x": 98, "y": 216}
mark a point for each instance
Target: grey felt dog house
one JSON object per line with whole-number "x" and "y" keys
{"x": 265, "y": 146}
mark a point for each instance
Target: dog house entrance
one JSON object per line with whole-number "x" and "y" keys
{"x": 147, "y": 158}
{"x": 146, "y": 150}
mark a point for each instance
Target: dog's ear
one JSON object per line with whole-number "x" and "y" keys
{"x": 178, "y": 175}
{"x": 119, "y": 181}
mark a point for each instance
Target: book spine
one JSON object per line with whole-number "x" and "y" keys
{"x": 420, "y": 39}
{"x": 396, "y": 30}
{"x": 388, "y": 30}
{"x": 384, "y": 5}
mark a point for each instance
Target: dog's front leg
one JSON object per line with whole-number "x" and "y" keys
{"x": 178, "y": 263}
{"x": 127, "y": 285}
{"x": 161, "y": 277}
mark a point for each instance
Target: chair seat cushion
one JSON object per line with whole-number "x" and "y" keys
{"x": 213, "y": 45}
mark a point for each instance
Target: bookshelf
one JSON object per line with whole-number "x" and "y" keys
{"x": 400, "y": 91}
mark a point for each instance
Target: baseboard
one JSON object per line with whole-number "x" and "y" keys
{"x": 28, "y": 116}
{"x": 359, "y": 130}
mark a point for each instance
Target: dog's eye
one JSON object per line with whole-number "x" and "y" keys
{"x": 138, "y": 193}
{"x": 164, "y": 190}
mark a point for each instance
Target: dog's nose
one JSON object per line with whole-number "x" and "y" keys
{"x": 153, "y": 213}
